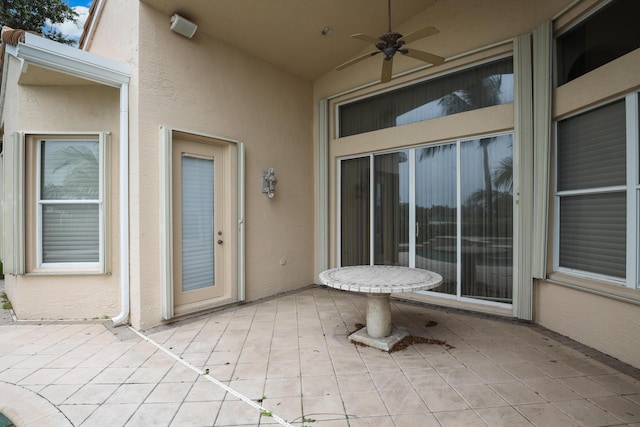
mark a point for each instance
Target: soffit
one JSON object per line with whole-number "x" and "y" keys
{"x": 40, "y": 76}
{"x": 288, "y": 33}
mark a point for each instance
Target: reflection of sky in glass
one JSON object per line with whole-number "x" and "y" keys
{"x": 443, "y": 166}
{"x": 471, "y": 162}
{"x": 433, "y": 109}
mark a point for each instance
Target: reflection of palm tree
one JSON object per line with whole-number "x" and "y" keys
{"x": 81, "y": 178}
{"x": 480, "y": 94}
{"x": 503, "y": 175}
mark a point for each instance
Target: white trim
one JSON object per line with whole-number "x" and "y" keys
{"x": 166, "y": 219}
{"x": 632, "y": 135}
{"x": 77, "y": 267}
{"x": 523, "y": 183}
{"x": 632, "y": 106}
{"x": 18, "y": 207}
{"x": 458, "y": 144}
{"x": 372, "y": 208}
{"x": 413, "y": 230}
{"x": 322, "y": 187}
{"x": 66, "y": 59}
{"x": 124, "y": 207}
{"x": 542, "y": 76}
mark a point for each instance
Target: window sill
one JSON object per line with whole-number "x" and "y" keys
{"x": 609, "y": 290}
{"x": 66, "y": 272}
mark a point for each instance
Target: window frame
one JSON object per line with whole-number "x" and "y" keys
{"x": 631, "y": 188}
{"x": 460, "y": 69}
{"x": 590, "y": 13}
{"x": 98, "y": 267}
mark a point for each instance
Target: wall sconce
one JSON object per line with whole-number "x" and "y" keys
{"x": 269, "y": 182}
{"x": 182, "y": 26}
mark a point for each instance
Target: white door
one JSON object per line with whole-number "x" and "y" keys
{"x": 201, "y": 230}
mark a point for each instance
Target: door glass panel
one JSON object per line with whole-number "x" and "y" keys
{"x": 391, "y": 214}
{"x": 436, "y": 213}
{"x": 354, "y": 211}
{"x": 487, "y": 211}
{"x": 198, "y": 265}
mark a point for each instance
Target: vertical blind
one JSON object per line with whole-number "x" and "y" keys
{"x": 198, "y": 251}
{"x": 354, "y": 212}
{"x": 391, "y": 210}
{"x": 69, "y": 201}
{"x": 436, "y": 213}
{"x": 477, "y": 87}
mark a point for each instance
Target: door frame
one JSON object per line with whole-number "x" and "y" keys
{"x": 166, "y": 215}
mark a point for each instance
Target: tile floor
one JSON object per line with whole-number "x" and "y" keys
{"x": 287, "y": 361}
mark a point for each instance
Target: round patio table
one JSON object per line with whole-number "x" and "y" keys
{"x": 379, "y": 282}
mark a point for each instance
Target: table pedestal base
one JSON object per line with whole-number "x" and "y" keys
{"x": 378, "y": 333}
{"x": 385, "y": 343}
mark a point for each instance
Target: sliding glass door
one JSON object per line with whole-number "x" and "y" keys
{"x": 446, "y": 208}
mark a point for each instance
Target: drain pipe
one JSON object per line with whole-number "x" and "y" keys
{"x": 124, "y": 206}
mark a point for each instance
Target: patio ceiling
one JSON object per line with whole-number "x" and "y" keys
{"x": 288, "y": 33}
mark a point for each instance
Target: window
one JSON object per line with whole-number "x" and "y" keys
{"x": 596, "y": 200}
{"x": 447, "y": 208}
{"x": 477, "y": 87}
{"x": 608, "y": 34}
{"x": 69, "y": 199}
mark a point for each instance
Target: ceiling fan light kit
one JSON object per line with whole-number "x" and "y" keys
{"x": 391, "y": 43}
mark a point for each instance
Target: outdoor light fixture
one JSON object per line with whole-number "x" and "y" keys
{"x": 182, "y": 26}
{"x": 269, "y": 182}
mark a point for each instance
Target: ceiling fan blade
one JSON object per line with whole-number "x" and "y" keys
{"x": 387, "y": 67}
{"x": 424, "y": 56}
{"x": 419, "y": 34}
{"x": 355, "y": 60}
{"x": 366, "y": 38}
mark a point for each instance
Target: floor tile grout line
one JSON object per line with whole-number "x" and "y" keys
{"x": 213, "y": 380}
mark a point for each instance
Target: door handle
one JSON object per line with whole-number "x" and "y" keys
{"x": 220, "y": 242}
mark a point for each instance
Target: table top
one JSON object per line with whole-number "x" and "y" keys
{"x": 380, "y": 279}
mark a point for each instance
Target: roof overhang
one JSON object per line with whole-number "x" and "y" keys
{"x": 68, "y": 60}
{"x": 64, "y": 61}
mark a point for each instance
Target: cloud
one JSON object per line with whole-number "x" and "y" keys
{"x": 73, "y": 29}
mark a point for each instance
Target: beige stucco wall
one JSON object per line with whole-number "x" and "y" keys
{"x": 605, "y": 324}
{"x": 468, "y": 35}
{"x": 59, "y": 107}
{"x": 205, "y": 86}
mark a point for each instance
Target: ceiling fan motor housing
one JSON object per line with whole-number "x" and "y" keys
{"x": 390, "y": 44}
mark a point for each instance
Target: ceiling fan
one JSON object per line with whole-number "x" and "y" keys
{"x": 390, "y": 43}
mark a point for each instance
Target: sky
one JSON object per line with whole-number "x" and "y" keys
{"x": 72, "y": 29}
